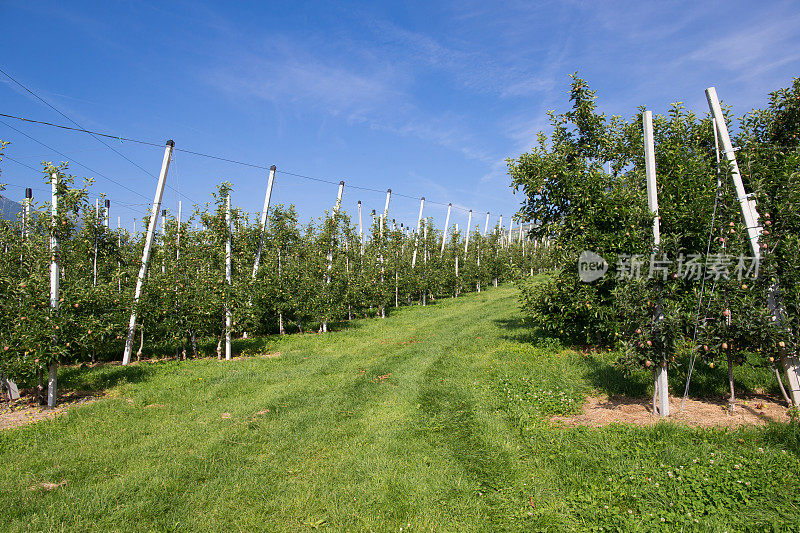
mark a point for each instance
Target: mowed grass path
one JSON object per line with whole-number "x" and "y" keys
{"x": 432, "y": 419}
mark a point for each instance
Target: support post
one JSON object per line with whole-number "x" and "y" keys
{"x": 791, "y": 363}
{"x": 469, "y": 228}
{"x": 106, "y": 214}
{"x": 264, "y": 213}
{"x": 339, "y": 199}
{"x": 94, "y": 261}
{"x": 330, "y": 250}
{"x": 52, "y": 378}
{"x": 486, "y": 226}
{"x": 228, "y": 315}
{"x": 164, "y": 240}
{"x": 151, "y": 228}
{"x": 446, "y": 228}
{"x": 386, "y": 207}
{"x": 119, "y": 247}
{"x": 661, "y": 380}
{"x": 26, "y": 213}
{"x": 749, "y": 213}
{"x": 178, "y": 234}
{"x": 360, "y": 228}
{"x": 416, "y": 234}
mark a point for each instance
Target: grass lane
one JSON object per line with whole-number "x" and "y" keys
{"x": 372, "y": 427}
{"x": 436, "y": 418}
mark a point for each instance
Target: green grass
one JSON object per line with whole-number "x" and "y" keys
{"x": 435, "y": 418}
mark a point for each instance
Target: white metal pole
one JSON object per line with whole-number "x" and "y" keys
{"x": 386, "y": 207}
{"x": 510, "y": 229}
{"x": 650, "y": 169}
{"x": 338, "y": 198}
{"x": 501, "y": 231}
{"x": 119, "y": 247}
{"x": 52, "y": 378}
{"x": 178, "y": 234}
{"x": 164, "y": 239}
{"x": 264, "y": 213}
{"x": 151, "y": 228}
{"x": 94, "y": 262}
{"x": 486, "y": 226}
{"x": 456, "y": 262}
{"x": 360, "y": 228}
{"x": 469, "y": 228}
{"x": 754, "y": 229}
{"x": 661, "y": 379}
{"x": 228, "y": 277}
{"x": 339, "y": 194}
{"x": 26, "y": 214}
{"x": 446, "y": 228}
{"x": 520, "y": 232}
{"x": 748, "y": 209}
{"x": 108, "y": 209}
{"x": 416, "y": 234}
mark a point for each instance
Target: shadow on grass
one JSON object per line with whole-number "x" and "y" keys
{"x": 102, "y": 377}
{"x": 598, "y": 370}
{"x": 610, "y": 379}
{"x": 602, "y": 374}
{"x": 517, "y": 329}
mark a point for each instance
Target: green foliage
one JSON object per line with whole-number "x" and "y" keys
{"x": 308, "y": 276}
{"x": 585, "y": 188}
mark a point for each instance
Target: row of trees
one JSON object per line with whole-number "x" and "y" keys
{"x": 585, "y": 188}
{"x": 309, "y": 276}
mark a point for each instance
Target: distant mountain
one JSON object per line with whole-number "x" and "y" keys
{"x": 9, "y": 209}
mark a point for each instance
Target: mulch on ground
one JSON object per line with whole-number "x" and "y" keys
{"x": 603, "y": 410}
{"x": 25, "y": 410}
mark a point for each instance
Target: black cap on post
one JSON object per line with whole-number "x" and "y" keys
{"x": 28, "y": 193}
{"x": 273, "y": 168}
{"x": 108, "y": 204}
{"x": 341, "y": 182}
{"x": 388, "y": 190}
{"x": 423, "y": 198}
{"x": 163, "y": 212}
{"x": 171, "y": 143}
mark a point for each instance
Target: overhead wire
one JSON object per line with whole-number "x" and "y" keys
{"x": 202, "y": 154}
{"x": 97, "y": 138}
{"x": 96, "y": 135}
{"x": 62, "y": 154}
{"x": 82, "y": 130}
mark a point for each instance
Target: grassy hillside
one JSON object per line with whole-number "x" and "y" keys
{"x": 433, "y": 419}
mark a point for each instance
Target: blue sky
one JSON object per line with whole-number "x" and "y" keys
{"x": 426, "y": 98}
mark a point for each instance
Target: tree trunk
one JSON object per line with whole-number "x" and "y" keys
{"x": 780, "y": 384}
{"x": 141, "y": 343}
{"x": 732, "y": 399}
{"x": 41, "y": 399}
{"x": 655, "y": 392}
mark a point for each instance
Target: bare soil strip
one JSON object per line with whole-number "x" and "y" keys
{"x": 25, "y": 410}
{"x": 604, "y": 410}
